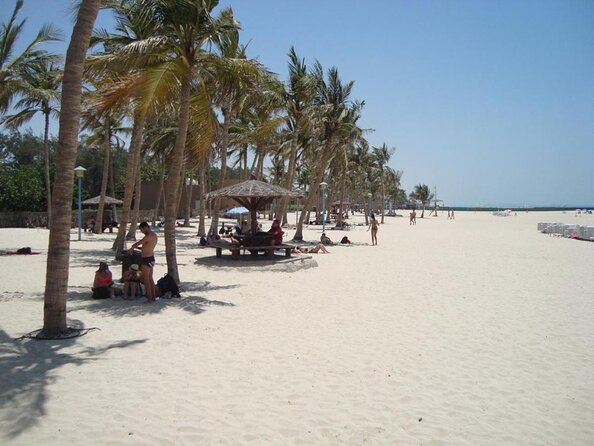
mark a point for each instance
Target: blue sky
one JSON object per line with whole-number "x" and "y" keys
{"x": 492, "y": 102}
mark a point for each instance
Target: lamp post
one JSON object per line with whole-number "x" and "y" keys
{"x": 369, "y": 204}
{"x": 79, "y": 172}
{"x": 323, "y": 186}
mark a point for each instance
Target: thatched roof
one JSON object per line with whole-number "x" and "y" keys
{"x": 108, "y": 200}
{"x": 251, "y": 189}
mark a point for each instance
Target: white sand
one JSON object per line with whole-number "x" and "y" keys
{"x": 465, "y": 332}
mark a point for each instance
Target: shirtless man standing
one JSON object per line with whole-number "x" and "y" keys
{"x": 147, "y": 244}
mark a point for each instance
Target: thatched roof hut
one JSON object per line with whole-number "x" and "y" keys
{"x": 252, "y": 194}
{"x": 108, "y": 201}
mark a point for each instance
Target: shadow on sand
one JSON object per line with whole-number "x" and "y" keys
{"x": 192, "y": 300}
{"x": 28, "y": 367}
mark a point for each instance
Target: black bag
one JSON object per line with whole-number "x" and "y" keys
{"x": 168, "y": 285}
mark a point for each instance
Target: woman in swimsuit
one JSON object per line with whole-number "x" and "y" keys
{"x": 103, "y": 282}
{"x": 374, "y": 225}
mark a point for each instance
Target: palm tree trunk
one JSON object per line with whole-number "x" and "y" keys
{"x": 202, "y": 211}
{"x": 174, "y": 176}
{"x": 383, "y": 199}
{"x": 182, "y": 178}
{"x": 131, "y": 235}
{"x": 114, "y": 214}
{"x": 260, "y": 166}
{"x": 290, "y": 172}
{"x": 223, "y": 172}
{"x": 48, "y": 181}
{"x": 342, "y": 192}
{"x": 106, "y": 151}
{"x": 133, "y": 162}
{"x": 160, "y": 195}
{"x": 321, "y": 166}
{"x": 58, "y": 254}
{"x": 189, "y": 189}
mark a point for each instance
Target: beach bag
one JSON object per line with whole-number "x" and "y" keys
{"x": 168, "y": 285}
{"x": 101, "y": 293}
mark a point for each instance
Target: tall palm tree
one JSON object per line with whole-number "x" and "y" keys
{"x": 39, "y": 92}
{"x": 233, "y": 78}
{"x": 184, "y": 26}
{"x": 12, "y": 68}
{"x": 337, "y": 120}
{"x": 299, "y": 94}
{"x": 105, "y": 125}
{"x": 422, "y": 193}
{"x": 58, "y": 255}
{"x": 145, "y": 84}
{"x": 381, "y": 157}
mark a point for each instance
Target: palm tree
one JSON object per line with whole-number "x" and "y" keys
{"x": 423, "y": 194}
{"x": 184, "y": 27}
{"x": 233, "y": 80}
{"x": 381, "y": 157}
{"x": 299, "y": 94}
{"x": 58, "y": 255}
{"x": 12, "y": 69}
{"x": 144, "y": 83}
{"x": 336, "y": 123}
{"x": 39, "y": 86}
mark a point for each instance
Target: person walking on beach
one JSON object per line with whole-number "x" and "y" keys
{"x": 374, "y": 225}
{"x": 147, "y": 245}
{"x": 413, "y": 218}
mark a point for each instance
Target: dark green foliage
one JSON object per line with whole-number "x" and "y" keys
{"x": 21, "y": 171}
{"x": 22, "y": 188}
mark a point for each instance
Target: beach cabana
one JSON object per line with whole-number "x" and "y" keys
{"x": 254, "y": 195}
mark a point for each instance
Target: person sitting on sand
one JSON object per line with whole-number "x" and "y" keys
{"x": 277, "y": 233}
{"x": 345, "y": 240}
{"x": 314, "y": 250}
{"x": 103, "y": 283}
{"x": 326, "y": 240}
{"x": 240, "y": 231}
{"x": 90, "y": 225}
{"x": 132, "y": 280}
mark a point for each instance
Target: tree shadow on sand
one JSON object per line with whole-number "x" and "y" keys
{"x": 192, "y": 300}
{"x": 29, "y": 367}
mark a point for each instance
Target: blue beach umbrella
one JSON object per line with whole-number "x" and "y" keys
{"x": 237, "y": 211}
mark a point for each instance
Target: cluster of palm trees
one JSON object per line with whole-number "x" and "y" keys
{"x": 178, "y": 74}
{"x": 194, "y": 99}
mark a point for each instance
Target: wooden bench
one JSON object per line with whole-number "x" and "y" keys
{"x": 235, "y": 250}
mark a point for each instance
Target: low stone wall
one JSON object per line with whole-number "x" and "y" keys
{"x": 23, "y": 219}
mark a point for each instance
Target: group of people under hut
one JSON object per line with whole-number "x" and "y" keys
{"x": 242, "y": 231}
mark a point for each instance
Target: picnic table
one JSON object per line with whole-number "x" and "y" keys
{"x": 252, "y": 244}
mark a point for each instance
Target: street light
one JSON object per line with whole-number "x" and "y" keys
{"x": 79, "y": 172}
{"x": 323, "y": 185}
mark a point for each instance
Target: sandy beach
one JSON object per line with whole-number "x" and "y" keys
{"x": 476, "y": 331}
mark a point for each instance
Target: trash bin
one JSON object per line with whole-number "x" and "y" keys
{"x": 129, "y": 259}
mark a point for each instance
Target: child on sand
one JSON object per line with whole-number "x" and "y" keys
{"x": 132, "y": 280}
